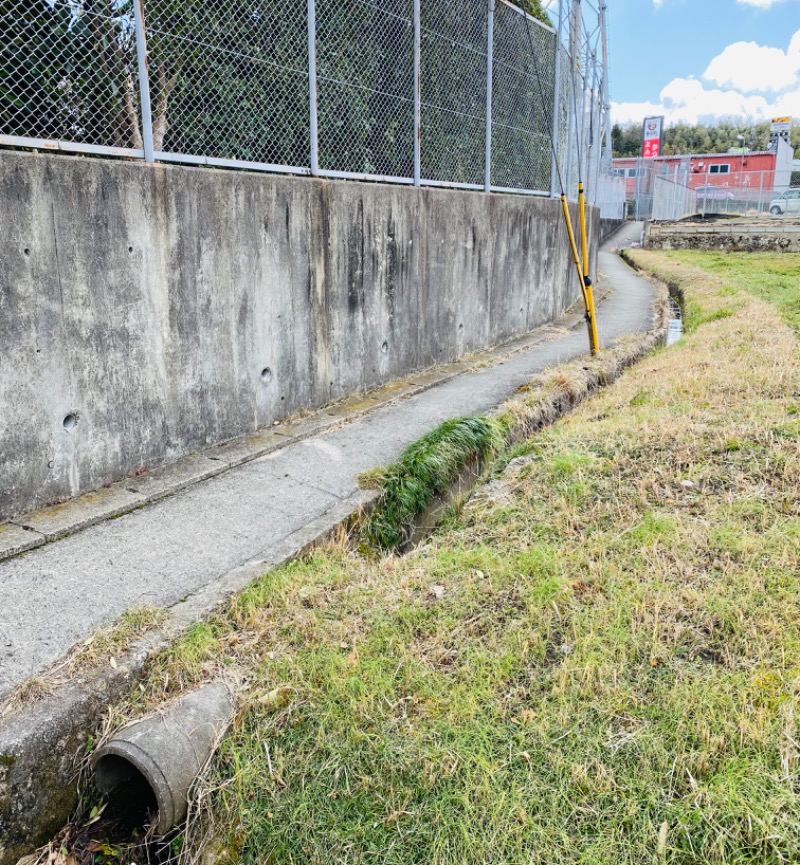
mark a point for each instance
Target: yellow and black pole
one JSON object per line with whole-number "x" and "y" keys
{"x": 575, "y": 37}
{"x": 583, "y": 271}
{"x": 591, "y": 319}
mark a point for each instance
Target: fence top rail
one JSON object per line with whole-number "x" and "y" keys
{"x": 524, "y": 14}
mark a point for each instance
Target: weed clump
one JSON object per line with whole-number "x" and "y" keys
{"x": 424, "y": 471}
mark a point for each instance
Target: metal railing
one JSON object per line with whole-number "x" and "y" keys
{"x": 458, "y": 93}
{"x": 672, "y": 200}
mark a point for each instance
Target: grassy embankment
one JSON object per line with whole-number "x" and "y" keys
{"x": 598, "y": 661}
{"x": 774, "y": 278}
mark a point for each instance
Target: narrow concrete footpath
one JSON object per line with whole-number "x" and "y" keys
{"x": 185, "y": 552}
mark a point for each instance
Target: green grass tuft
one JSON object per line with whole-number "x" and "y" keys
{"x": 424, "y": 471}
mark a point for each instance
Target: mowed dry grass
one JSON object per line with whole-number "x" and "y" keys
{"x": 597, "y": 661}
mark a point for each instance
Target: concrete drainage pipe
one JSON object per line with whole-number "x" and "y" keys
{"x": 155, "y": 761}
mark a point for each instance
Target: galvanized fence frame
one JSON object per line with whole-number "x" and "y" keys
{"x": 670, "y": 194}
{"x": 462, "y": 102}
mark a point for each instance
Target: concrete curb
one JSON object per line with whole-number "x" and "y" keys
{"x": 42, "y": 745}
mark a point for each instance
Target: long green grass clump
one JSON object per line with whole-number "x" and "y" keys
{"x": 425, "y": 470}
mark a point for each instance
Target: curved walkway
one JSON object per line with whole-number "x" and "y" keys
{"x": 187, "y": 551}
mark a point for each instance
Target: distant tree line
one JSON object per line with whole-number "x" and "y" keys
{"x": 683, "y": 138}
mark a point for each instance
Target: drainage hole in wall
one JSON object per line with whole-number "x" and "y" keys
{"x": 266, "y": 375}
{"x": 70, "y": 422}
{"x": 130, "y": 249}
{"x": 51, "y": 464}
{"x": 385, "y": 347}
{"x": 461, "y": 327}
{"x": 26, "y": 251}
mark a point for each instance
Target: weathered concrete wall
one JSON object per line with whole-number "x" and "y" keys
{"x": 609, "y": 227}
{"x": 167, "y": 309}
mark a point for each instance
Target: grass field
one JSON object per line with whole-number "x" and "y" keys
{"x": 597, "y": 661}
{"x": 774, "y": 278}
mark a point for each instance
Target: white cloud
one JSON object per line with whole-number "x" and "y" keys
{"x": 759, "y": 4}
{"x": 750, "y": 67}
{"x": 687, "y": 100}
{"x": 635, "y": 112}
{"x": 744, "y": 72}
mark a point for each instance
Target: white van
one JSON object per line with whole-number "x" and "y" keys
{"x": 789, "y": 202}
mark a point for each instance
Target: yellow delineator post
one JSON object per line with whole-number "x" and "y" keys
{"x": 594, "y": 342}
{"x": 583, "y": 272}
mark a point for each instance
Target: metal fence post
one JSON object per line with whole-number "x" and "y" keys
{"x": 597, "y": 139}
{"x": 144, "y": 81}
{"x": 487, "y": 183}
{"x": 557, "y": 104}
{"x": 571, "y": 110}
{"x": 585, "y": 97}
{"x": 417, "y": 93}
{"x": 312, "y": 85}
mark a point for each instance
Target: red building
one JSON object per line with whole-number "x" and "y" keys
{"x": 740, "y": 174}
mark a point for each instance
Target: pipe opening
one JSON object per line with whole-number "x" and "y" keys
{"x": 131, "y": 800}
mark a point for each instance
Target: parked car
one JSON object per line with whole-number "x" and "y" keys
{"x": 713, "y": 193}
{"x": 789, "y": 202}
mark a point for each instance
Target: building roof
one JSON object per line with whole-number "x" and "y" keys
{"x": 700, "y": 155}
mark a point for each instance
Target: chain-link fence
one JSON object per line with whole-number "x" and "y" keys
{"x": 672, "y": 200}
{"x": 465, "y": 93}
{"x": 668, "y": 192}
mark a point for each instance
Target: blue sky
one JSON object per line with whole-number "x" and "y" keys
{"x": 701, "y": 60}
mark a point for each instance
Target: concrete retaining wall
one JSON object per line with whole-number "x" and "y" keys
{"x": 763, "y": 236}
{"x": 609, "y": 227}
{"x": 150, "y": 311}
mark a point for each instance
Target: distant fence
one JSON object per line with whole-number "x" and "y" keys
{"x": 656, "y": 192}
{"x": 610, "y": 197}
{"x": 671, "y": 200}
{"x": 459, "y": 93}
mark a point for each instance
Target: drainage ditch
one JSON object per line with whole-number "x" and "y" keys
{"x": 146, "y": 769}
{"x": 674, "y": 321}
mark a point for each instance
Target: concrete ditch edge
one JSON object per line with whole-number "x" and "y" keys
{"x": 42, "y": 744}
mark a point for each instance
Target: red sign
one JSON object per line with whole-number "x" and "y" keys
{"x": 652, "y": 131}
{"x": 651, "y": 149}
